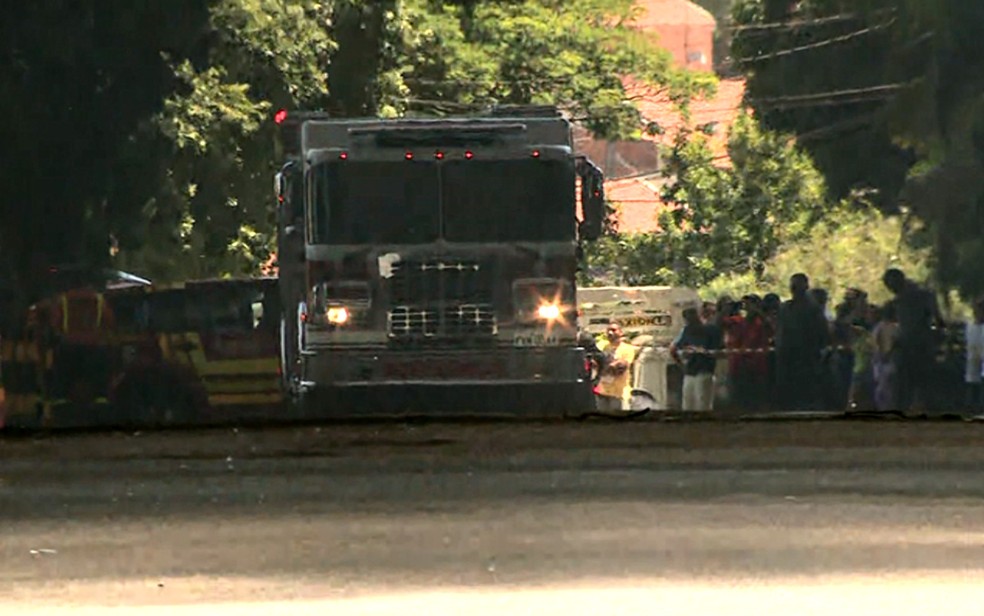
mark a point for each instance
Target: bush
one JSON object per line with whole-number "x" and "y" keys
{"x": 850, "y": 248}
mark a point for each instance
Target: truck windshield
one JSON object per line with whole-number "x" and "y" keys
{"x": 482, "y": 201}
{"x": 376, "y": 203}
{"x": 508, "y": 200}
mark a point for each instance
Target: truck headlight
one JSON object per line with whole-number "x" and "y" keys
{"x": 548, "y": 312}
{"x": 337, "y": 315}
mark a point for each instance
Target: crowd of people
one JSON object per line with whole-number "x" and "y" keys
{"x": 801, "y": 354}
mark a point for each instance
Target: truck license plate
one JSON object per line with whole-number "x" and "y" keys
{"x": 535, "y": 339}
{"x": 441, "y": 370}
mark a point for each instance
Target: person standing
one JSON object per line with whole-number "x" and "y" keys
{"x": 884, "y": 340}
{"x": 615, "y": 384}
{"x": 801, "y": 336}
{"x": 862, "y": 393}
{"x": 841, "y": 357}
{"x": 975, "y": 358}
{"x": 918, "y": 315}
{"x": 822, "y": 298}
{"x": 694, "y": 347}
{"x": 771, "y": 303}
{"x": 750, "y": 368}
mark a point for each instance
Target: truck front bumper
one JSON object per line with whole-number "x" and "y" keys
{"x": 508, "y": 382}
{"x": 369, "y": 367}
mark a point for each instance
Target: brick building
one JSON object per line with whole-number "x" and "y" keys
{"x": 684, "y": 29}
{"x": 632, "y": 168}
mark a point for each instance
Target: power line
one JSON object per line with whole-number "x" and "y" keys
{"x": 863, "y": 100}
{"x": 824, "y": 43}
{"x": 852, "y": 96}
{"x": 833, "y": 94}
{"x": 800, "y": 23}
{"x": 835, "y": 128}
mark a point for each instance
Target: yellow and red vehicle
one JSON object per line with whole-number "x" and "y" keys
{"x": 60, "y": 329}
{"x": 197, "y": 352}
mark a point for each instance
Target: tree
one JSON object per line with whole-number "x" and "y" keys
{"x": 886, "y": 95}
{"x": 80, "y": 78}
{"x": 721, "y": 219}
{"x": 851, "y": 247}
{"x": 459, "y": 56}
{"x": 211, "y": 214}
{"x": 364, "y": 76}
{"x": 160, "y": 113}
{"x": 357, "y": 58}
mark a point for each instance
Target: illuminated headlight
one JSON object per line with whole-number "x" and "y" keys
{"x": 548, "y": 312}
{"x": 337, "y": 315}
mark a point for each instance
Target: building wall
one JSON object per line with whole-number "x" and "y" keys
{"x": 692, "y": 46}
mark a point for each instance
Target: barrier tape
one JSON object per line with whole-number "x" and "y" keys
{"x": 760, "y": 351}
{"x": 751, "y": 351}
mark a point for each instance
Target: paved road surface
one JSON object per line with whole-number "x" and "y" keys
{"x": 589, "y": 518}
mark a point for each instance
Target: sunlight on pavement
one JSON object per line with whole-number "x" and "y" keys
{"x": 954, "y": 594}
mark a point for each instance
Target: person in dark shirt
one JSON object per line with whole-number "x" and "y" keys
{"x": 694, "y": 347}
{"x": 771, "y": 303}
{"x": 918, "y": 315}
{"x": 801, "y": 335}
{"x": 821, "y": 297}
{"x": 592, "y": 354}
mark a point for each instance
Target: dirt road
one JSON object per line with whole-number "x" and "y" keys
{"x": 570, "y": 518}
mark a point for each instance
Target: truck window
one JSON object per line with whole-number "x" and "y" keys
{"x": 508, "y": 200}
{"x": 376, "y": 202}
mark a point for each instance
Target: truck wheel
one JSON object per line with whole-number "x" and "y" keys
{"x": 173, "y": 407}
{"x": 143, "y": 404}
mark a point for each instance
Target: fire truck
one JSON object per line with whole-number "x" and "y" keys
{"x": 196, "y": 352}
{"x": 428, "y": 264}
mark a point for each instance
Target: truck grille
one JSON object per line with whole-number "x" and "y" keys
{"x": 422, "y": 282}
{"x": 452, "y": 322}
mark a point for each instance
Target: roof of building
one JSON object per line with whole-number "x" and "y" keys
{"x": 637, "y": 202}
{"x": 655, "y": 13}
{"x": 637, "y": 199}
{"x": 719, "y": 112}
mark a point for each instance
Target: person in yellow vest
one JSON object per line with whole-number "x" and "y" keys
{"x": 79, "y": 322}
{"x": 615, "y": 385}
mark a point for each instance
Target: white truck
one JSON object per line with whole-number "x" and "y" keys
{"x": 651, "y": 317}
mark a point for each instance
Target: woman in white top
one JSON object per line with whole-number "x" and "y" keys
{"x": 975, "y": 357}
{"x": 883, "y": 337}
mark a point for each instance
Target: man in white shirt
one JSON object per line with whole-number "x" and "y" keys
{"x": 975, "y": 358}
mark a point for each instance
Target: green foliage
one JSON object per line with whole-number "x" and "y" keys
{"x": 888, "y": 98}
{"x": 572, "y": 53}
{"x": 80, "y": 80}
{"x": 720, "y": 219}
{"x": 154, "y": 116}
{"x": 211, "y": 214}
{"x": 629, "y": 260}
{"x": 851, "y": 247}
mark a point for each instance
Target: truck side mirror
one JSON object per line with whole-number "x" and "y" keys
{"x": 287, "y": 186}
{"x": 592, "y": 200}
